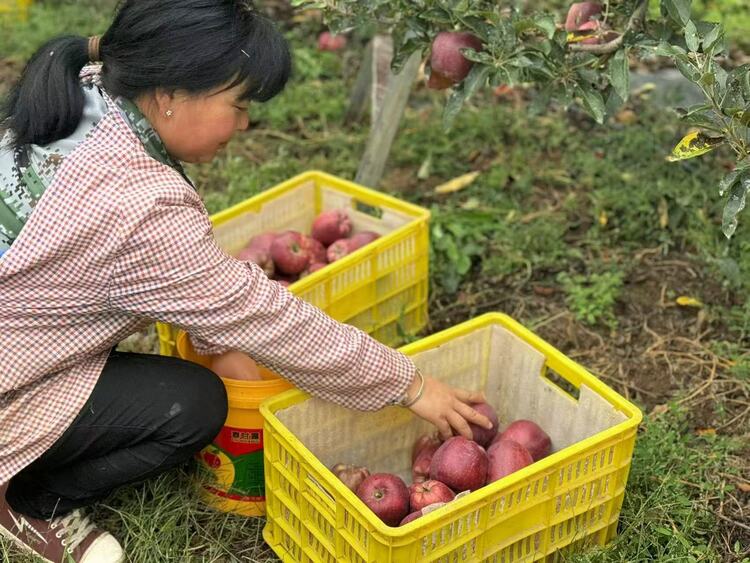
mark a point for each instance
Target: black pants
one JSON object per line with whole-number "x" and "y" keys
{"x": 145, "y": 415}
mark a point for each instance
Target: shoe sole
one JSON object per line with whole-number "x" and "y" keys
{"x": 7, "y": 534}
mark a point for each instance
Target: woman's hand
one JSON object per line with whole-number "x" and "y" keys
{"x": 447, "y": 407}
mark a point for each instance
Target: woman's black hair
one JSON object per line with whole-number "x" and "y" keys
{"x": 189, "y": 45}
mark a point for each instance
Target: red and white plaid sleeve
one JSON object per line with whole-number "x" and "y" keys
{"x": 170, "y": 269}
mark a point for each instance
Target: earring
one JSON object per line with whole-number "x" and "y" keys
{"x": 168, "y": 113}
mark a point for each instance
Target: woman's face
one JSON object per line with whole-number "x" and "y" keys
{"x": 195, "y": 127}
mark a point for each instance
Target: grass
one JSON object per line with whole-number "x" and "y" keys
{"x": 561, "y": 228}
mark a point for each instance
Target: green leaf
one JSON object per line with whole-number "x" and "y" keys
{"x": 665, "y": 49}
{"x": 691, "y": 36}
{"x": 452, "y": 107}
{"x": 477, "y": 78}
{"x": 712, "y": 38}
{"x": 678, "y": 10}
{"x": 701, "y": 115}
{"x": 593, "y": 101}
{"x": 687, "y": 68}
{"x": 734, "y": 204}
{"x": 619, "y": 73}
{"x": 542, "y": 22}
{"x": 728, "y": 181}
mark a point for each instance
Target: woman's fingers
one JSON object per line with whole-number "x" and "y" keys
{"x": 470, "y": 396}
{"x": 459, "y": 424}
{"x": 444, "y": 428}
{"x": 473, "y": 416}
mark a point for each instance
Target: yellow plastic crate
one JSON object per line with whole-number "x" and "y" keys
{"x": 562, "y": 503}
{"x": 15, "y": 8}
{"x": 380, "y": 288}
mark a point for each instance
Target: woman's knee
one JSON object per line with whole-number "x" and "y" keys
{"x": 202, "y": 410}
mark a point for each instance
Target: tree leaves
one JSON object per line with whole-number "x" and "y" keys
{"x": 593, "y": 101}
{"x": 619, "y": 73}
{"x": 735, "y": 202}
{"x": 477, "y": 77}
{"x": 694, "y": 144}
{"x": 691, "y": 36}
{"x": 677, "y": 10}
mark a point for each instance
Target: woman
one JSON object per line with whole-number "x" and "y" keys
{"x": 103, "y": 233}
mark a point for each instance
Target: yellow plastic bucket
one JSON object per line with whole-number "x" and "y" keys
{"x": 235, "y": 457}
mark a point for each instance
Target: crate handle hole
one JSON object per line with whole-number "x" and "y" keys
{"x": 561, "y": 383}
{"x": 367, "y": 209}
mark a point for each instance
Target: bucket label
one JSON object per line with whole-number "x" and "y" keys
{"x": 236, "y": 460}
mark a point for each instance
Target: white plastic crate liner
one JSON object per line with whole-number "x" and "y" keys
{"x": 492, "y": 358}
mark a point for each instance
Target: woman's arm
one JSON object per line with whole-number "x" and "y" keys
{"x": 170, "y": 268}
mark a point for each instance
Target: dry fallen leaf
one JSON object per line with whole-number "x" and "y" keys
{"x": 744, "y": 487}
{"x": 456, "y": 184}
{"x": 706, "y": 432}
{"x": 663, "y": 208}
{"x": 686, "y": 301}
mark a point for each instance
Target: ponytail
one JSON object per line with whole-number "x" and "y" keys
{"x": 47, "y": 102}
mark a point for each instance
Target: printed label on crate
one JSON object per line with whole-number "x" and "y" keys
{"x": 235, "y": 458}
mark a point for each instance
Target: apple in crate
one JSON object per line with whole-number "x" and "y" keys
{"x": 386, "y": 495}
{"x": 314, "y": 249}
{"x": 359, "y": 240}
{"x": 420, "y": 469}
{"x": 258, "y": 250}
{"x": 460, "y": 463}
{"x": 429, "y": 492}
{"x": 331, "y": 226}
{"x": 288, "y": 254}
{"x": 530, "y": 435}
{"x": 425, "y": 440}
{"x": 338, "y": 249}
{"x": 506, "y": 457}
{"x": 409, "y": 517}
{"x": 484, "y": 436}
{"x": 351, "y": 475}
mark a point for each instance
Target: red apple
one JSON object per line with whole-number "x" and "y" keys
{"x": 410, "y": 517}
{"x": 424, "y": 440}
{"x": 438, "y": 82}
{"x": 331, "y": 226}
{"x": 338, "y": 250}
{"x": 429, "y": 492}
{"x": 484, "y": 436}
{"x": 327, "y": 41}
{"x": 530, "y": 436}
{"x": 359, "y": 240}
{"x": 420, "y": 469}
{"x": 312, "y": 268}
{"x": 506, "y": 457}
{"x": 446, "y": 58}
{"x": 386, "y": 495}
{"x": 580, "y": 13}
{"x": 288, "y": 254}
{"x": 351, "y": 475}
{"x": 592, "y": 26}
{"x": 460, "y": 463}
{"x": 314, "y": 248}
{"x": 258, "y": 250}
{"x": 260, "y": 257}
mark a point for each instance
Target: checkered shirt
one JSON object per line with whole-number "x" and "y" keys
{"x": 119, "y": 240}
